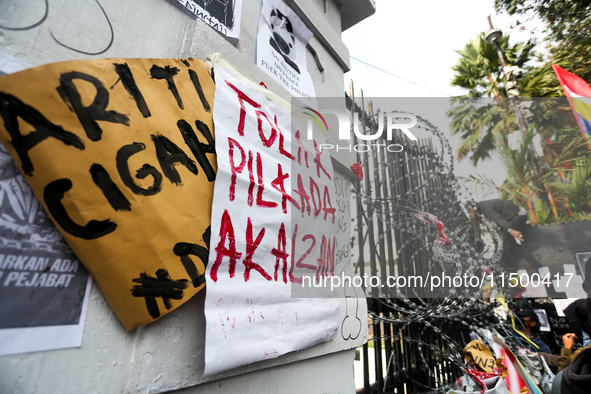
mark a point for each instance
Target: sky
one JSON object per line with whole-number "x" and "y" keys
{"x": 417, "y": 40}
{"x": 414, "y": 43}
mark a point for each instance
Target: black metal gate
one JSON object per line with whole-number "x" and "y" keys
{"x": 417, "y": 341}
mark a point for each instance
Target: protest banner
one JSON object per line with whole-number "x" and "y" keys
{"x": 273, "y": 225}
{"x": 121, "y": 154}
{"x": 517, "y": 378}
{"x": 281, "y": 48}
{"x": 44, "y": 289}
{"x": 578, "y": 93}
{"x": 222, "y": 15}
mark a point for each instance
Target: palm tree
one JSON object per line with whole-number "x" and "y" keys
{"x": 477, "y": 120}
{"x": 540, "y": 82}
{"x": 479, "y": 70}
{"x": 523, "y": 186}
{"x": 484, "y": 118}
{"x": 574, "y": 187}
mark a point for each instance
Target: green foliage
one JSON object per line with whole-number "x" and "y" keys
{"x": 568, "y": 26}
{"x": 476, "y": 120}
{"x": 544, "y": 213}
{"x": 525, "y": 185}
{"x": 581, "y": 216}
{"x": 479, "y": 68}
{"x": 540, "y": 82}
{"x": 576, "y": 186}
{"x": 485, "y": 117}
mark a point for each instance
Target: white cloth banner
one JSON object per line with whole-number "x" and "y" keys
{"x": 250, "y": 314}
{"x": 281, "y": 48}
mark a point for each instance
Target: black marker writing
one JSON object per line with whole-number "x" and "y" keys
{"x": 197, "y": 84}
{"x": 123, "y": 156}
{"x": 53, "y": 195}
{"x": 88, "y": 116}
{"x": 103, "y": 180}
{"x": 129, "y": 84}
{"x": 168, "y": 155}
{"x": 168, "y": 74}
{"x": 161, "y": 286}
{"x": 183, "y": 250}
{"x": 198, "y": 148}
{"x": 11, "y": 108}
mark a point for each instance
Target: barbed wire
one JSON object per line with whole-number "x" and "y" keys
{"x": 417, "y": 214}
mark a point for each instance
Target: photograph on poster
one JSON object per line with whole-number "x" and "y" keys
{"x": 281, "y": 48}
{"x": 44, "y": 289}
{"x": 222, "y": 15}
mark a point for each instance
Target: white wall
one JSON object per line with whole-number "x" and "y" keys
{"x": 162, "y": 356}
{"x": 168, "y": 354}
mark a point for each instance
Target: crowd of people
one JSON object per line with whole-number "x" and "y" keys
{"x": 551, "y": 372}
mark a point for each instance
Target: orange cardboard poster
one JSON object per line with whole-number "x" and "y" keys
{"x": 121, "y": 154}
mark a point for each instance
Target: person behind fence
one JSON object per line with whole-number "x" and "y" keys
{"x": 509, "y": 216}
{"x": 578, "y": 318}
{"x": 576, "y": 377}
{"x": 531, "y": 328}
{"x": 574, "y": 314}
{"x": 527, "y": 325}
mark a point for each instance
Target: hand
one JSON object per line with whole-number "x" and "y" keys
{"x": 569, "y": 340}
{"x": 516, "y": 234}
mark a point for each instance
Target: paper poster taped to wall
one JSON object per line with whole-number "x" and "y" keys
{"x": 281, "y": 48}
{"x": 35, "y": 261}
{"x": 121, "y": 154}
{"x": 266, "y": 233}
{"x": 44, "y": 289}
{"x": 9, "y": 65}
{"x": 222, "y": 15}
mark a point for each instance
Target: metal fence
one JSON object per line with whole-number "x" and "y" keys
{"x": 417, "y": 341}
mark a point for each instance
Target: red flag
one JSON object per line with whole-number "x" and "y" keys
{"x": 578, "y": 93}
